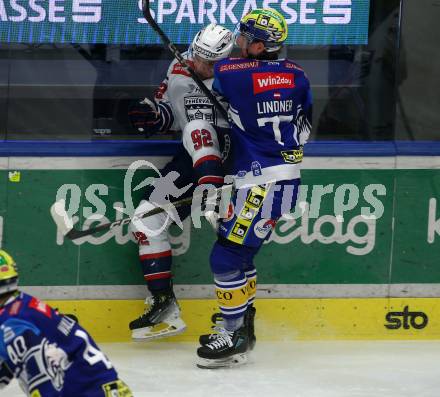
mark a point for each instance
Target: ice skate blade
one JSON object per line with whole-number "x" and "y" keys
{"x": 158, "y": 331}
{"x": 228, "y": 362}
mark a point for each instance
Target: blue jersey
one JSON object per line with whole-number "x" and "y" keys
{"x": 270, "y": 111}
{"x": 51, "y": 355}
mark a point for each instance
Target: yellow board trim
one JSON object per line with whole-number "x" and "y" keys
{"x": 276, "y": 320}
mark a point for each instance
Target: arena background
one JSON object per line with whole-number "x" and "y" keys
{"x": 63, "y": 100}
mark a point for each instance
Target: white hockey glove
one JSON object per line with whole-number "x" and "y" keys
{"x": 303, "y": 125}
{"x": 216, "y": 206}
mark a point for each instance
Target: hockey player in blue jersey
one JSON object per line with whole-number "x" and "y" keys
{"x": 270, "y": 120}
{"x": 49, "y": 354}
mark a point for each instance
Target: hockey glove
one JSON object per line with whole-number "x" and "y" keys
{"x": 148, "y": 117}
{"x": 303, "y": 125}
{"x": 5, "y": 375}
{"x": 211, "y": 207}
{"x": 216, "y": 205}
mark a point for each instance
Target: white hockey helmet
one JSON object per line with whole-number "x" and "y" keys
{"x": 212, "y": 43}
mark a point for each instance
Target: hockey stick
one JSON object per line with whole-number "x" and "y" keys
{"x": 176, "y": 53}
{"x": 65, "y": 223}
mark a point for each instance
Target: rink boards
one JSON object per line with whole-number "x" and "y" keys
{"x": 356, "y": 264}
{"x": 280, "y": 319}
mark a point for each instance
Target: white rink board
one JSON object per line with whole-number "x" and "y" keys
{"x": 302, "y": 369}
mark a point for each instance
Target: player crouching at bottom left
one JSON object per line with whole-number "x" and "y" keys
{"x": 49, "y": 354}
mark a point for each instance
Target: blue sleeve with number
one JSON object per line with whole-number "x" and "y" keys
{"x": 270, "y": 107}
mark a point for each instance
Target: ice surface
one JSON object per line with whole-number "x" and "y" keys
{"x": 300, "y": 369}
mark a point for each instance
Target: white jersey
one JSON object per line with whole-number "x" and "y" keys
{"x": 185, "y": 99}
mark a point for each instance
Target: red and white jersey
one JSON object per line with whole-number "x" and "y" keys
{"x": 185, "y": 99}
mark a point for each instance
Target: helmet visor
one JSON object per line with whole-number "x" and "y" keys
{"x": 241, "y": 40}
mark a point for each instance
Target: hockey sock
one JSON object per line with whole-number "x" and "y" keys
{"x": 157, "y": 272}
{"x": 251, "y": 277}
{"x": 232, "y": 324}
{"x": 209, "y": 169}
{"x": 232, "y": 297}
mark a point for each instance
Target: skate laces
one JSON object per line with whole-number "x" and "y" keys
{"x": 216, "y": 332}
{"x": 223, "y": 338}
{"x": 151, "y": 301}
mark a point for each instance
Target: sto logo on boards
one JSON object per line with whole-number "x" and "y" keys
{"x": 406, "y": 319}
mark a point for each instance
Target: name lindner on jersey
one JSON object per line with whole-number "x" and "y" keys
{"x": 270, "y": 108}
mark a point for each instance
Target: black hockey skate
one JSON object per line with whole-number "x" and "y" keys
{"x": 217, "y": 319}
{"x": 227, "y": 350}
{"x": 161, "y": 319}
{"x": 208, "y": 338}
{"x": 249, "y": 321}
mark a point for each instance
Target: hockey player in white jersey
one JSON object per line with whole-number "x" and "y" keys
{"x": 177, "y": 101}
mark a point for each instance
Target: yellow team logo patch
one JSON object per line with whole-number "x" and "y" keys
{"x": 293, "y": 156}
{"x": 35, "y": 393}
{"x": 14, "y": 176}
{"x": 263, "y": 21}
{"x": 238, "y": 232}
{"x": 248, "y": 213}
{"x": 256, "y": 197}
{"x": 254, "y": 202}
{"x": 116, "y": 389}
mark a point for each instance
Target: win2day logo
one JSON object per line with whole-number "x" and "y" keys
{"x": 406, "y": 319}
{"x": 271, "y": 81}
